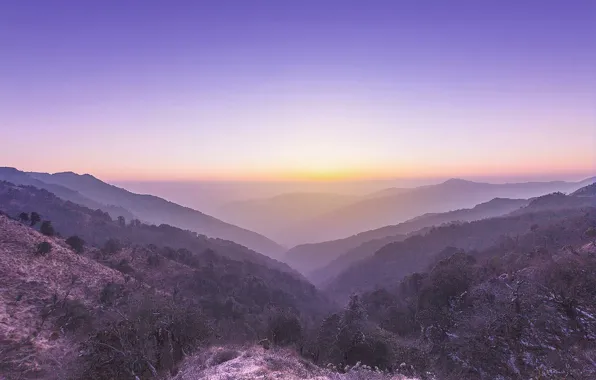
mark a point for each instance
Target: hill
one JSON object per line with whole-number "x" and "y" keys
{"x": 97, "y": 227}
{"x": 148, "y": 208}
{"x": 508, "y": 312}
{"x": 325, "y": 260}
{"x": 21, "y": 178}
{"x": 587, "y": 191}
{"x": 137, "y": 307}
{"x": 396, "y": 260}
{"x": 94, "y": 314}
{"x": 450, "y": 195}
{"x": 276, "y": 216}
{"x": 28, "y": 283}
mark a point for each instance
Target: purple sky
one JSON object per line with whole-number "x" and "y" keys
{"x": 298, "y": 89}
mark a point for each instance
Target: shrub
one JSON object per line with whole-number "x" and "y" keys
{"x": 153, "y": 260}
{"x": 284, "y": 329}
{"x": 76, "y": 243}
{"x": 44, "y": 248}
{"x": 112, "y": 246}
{"x": 124, "y": 267}
{"x": 152, "y": 339}
{"x": 24, "y": 217}
{"x": 111, "y": 292}
{"x": 73, "y": 316}
{"x": 223, "y": 356}
{"x": 35, "y": 218}
{"x": 121, "y": 221}
{"x": 47, "y": 228}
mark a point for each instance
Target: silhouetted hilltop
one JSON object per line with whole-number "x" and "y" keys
{"x": 148, "y": 208}
{"x": 97, "y": 227}
{"x": 21, "y": 178}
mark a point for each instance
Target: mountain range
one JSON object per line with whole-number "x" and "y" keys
{"x": 125, "y": 300}
{"x": 389, "y": 264}
{"x": 324, "y": 261}
{"x": 96, "y": 194}
{"x": 395, "y": 207}
{"x": 276, "y": 216}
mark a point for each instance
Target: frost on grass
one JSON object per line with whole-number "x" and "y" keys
{"x": 256, "y": 363}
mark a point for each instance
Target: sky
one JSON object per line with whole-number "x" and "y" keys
{"x": 286, "y": 90}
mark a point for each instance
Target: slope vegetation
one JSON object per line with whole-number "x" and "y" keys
{"x": 129, "y": 309}
{"x": 323, "y": 261}
{"x": 241, "y": 363}
{"x": 515, "y": 311}
{"x": 33, "y": 342}
{"x": 97, "y": 227}
{"x": 148, "y": 208}
{"x": 395, "y": 260}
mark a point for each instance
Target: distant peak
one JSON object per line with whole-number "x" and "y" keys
{"x": 73, "y": 174}
{"x": 455, "y": 181}
{"x": 9, "y": 169}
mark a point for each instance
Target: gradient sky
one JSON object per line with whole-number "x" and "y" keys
{"x": 298, "y": 89}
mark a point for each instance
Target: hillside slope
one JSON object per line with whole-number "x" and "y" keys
{"x": 450, "y": 195}
{"x": 152, "y": 209}
{"x": 587, "y": 191}
{"x": 21, "y": 178}
{"x": 93, "y": 315}
{"x": 396, "y": 260}
{"x": 325, "y": 260}
{"x": 28, "y": 283}
{"x": 248, "y": 363}
{"x": 97, "y": 227}
{"x": 511, "y": 312}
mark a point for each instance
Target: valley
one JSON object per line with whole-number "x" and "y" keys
{"x": 402, "y": 293}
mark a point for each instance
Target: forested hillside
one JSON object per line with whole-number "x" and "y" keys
{"x": 323, "y": 261}
{"x": 133, "y": 309}
{"x": 87, "y": 297}
{"x": 91, "y": 192}
{"x": 390, "y": 263}
{"x": 96, "y": 226}
{"x": 376, "y": 212}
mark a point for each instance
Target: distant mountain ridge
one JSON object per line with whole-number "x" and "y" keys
{"x": 324, "y": 260}
{"x": 147, "y": 208}
{"x": 276, "y": 216}
{"x": 16, "y": 176}
{"x": 453, "y": 194}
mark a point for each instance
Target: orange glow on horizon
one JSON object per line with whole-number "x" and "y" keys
{"x": 569, "y": 164}
{"x": 354, "y": 175}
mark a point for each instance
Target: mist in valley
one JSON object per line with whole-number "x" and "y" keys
{"x": 299, "y": 212}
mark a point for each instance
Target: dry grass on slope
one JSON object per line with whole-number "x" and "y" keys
{"x": 30, "y": 286}
{"x": 252, "y": 363}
